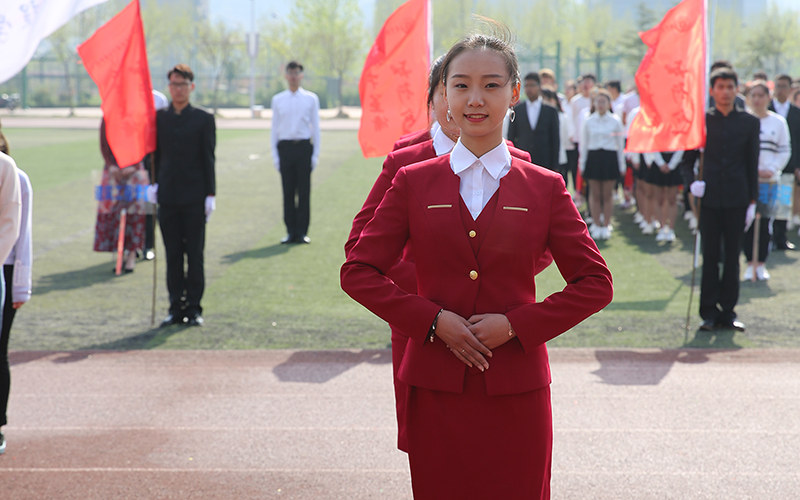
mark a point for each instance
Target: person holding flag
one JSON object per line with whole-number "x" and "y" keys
{"x": 185, "y": 192}
{"x": 728, "y": 189}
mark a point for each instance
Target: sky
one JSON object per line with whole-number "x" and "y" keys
{"x": 238, "y": 11}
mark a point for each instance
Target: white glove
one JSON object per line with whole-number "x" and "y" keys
{"x": 151, "y": 193}
{"x": 211, "y": 205}
{"x": 698, "y": 188}
{"x": 749, "y": 217}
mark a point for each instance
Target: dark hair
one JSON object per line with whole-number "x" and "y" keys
{"x": 614, "y": 84}
{"x": 760, "y": 75}
{"x": 3, "y": 143}
{"x": 183, "y": 70}
{"x": 501, "y": 41}
{"x": 589, "y": 75}
{"x": 723, "y": 73}
{"x": 755, "y": 84}
{"x": 548, "y": 93}
{"x": 434, "y": 78}
{"x": 533, "y": 76}
{"x": 603, "y": 93}
{"x": 294, "y": 65}
{"x": 722, "y": 63}
{"x": 784, "y": 76}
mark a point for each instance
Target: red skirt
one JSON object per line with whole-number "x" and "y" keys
{"x": 474, "y": 446}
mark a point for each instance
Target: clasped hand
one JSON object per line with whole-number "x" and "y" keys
{"x": 471, "y": 340}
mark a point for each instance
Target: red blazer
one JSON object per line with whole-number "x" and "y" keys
{"x": 534, "y": 213}
{"x": 403, "y": 272}
{"x": 412, "y": 138}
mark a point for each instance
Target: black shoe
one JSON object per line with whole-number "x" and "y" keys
{"x": 304, "y": 239}
{"x": 288, "y": 239}
{"x": 194, "y": 320}
{"x": 2, "y": 443}
{"x": 731, "y": 325}
{"x": 707, "y": 326}
{"x": 785, "y": 246}
{"x": 171, "y": 319}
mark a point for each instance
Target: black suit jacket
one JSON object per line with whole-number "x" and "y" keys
{"x": 730, "y": 162}
{"x": 793, "y": 120}
{"x": 544, "y": 142}
{"x": 184, "y": 156}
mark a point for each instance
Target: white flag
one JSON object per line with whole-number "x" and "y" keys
{"x": 25, "y": 23}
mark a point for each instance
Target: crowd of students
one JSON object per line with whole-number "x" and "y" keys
{"x": 594, "y": 121}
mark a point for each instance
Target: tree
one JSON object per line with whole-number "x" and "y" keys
{"x": 330, "y": 35}
{"x": 217, "y": 43}
{"x": 631, "y": 46}
{"x": 771, "y": 42}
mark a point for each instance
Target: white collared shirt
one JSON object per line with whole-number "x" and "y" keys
{"x": 295, "y": 116}
{"x": 534, "y": 108}
{"x": 480, "y": 177}
{"x": 781, "y": 109}
{"x": 441, "y": 143}
{"x": 579, "y": 106}
{"x": 602, "y": 132}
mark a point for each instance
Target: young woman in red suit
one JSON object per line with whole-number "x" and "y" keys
{"x": 476, "y": 222}
{"x": 404, "y": 272}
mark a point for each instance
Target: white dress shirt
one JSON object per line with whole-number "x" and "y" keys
{"x": 533, "y": 108}
{"x": 295, "y": 116}
{"x": 602, "y": 132}
{"x": 480, "y": 177}
{"x": 781, "y": 109}
{"x": 21, "y": 255}
{"x": 564, "y": 134}
{"x": 580, "y": 106}
{"x": 441, "y": 143}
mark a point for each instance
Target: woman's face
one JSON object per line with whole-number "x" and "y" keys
{"x": 602, "y": 104}
{"x": 759, "y": 99}
{"x": 479, "y": 92}
{"x": 440, "y": 113}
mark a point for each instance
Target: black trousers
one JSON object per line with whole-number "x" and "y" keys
{"x": 572, "y": 167}
{"x": 295, "y": 160}
{"x": 149, "y": 231}
{"x": 722, "y": 231}
{"x": 8, "y": 319}
{"x": 183, "y": 228}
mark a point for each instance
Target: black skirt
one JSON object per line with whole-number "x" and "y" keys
{"x": 601, "y": 165}
{"x": 657, "y": 177}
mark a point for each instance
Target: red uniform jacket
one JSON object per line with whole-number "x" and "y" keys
{"x": 412, "y": 138}
{"x": 534, "y": 213}
{"x": 403, "y": 273}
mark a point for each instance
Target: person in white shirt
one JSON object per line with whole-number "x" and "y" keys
{"x": 601, "y": 161}
{"x": 10, "y": 219}
{"x": 773, "y": 155}
{"x": 18, "y": 280}
{"x": 581, "y": 103}
{"x": 791, "y": 172}
{"x": 295, "y": 150}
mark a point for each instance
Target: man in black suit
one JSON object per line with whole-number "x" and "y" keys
{"x": 535, "y": 127}
{"x": 784, "y": 107}
{"x": 184, "y": 161}
{"x": 729, "y": 190}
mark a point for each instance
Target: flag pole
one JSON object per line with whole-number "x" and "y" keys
{"x": 695, "y": 250}
{"x": 121, "y": 241}
{"x": 155, "y": 254}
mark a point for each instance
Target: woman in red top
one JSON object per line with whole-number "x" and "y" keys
{"x": 476, "y": 222}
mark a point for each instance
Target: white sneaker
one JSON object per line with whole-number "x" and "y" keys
{"x": 662, "y": 235}
{"x": 593, "y": 231}
{"x": 693, "y": 223}
{"x": 748, "y": 274}
{"x": 761, "y": 273}
{"x": 670, "y": 235}
{"x": 688, "y": 215}
{"x": 638, "y": 217}
{"x": 605, "y": 233}
{"x": 648, "y": 228}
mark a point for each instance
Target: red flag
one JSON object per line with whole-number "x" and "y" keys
{"x": 671, "y": 83}
{"x": 116, "y": 58}
{"x": 394, "y": 82}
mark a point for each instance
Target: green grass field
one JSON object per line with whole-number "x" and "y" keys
{"x": 260, "y": 294}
